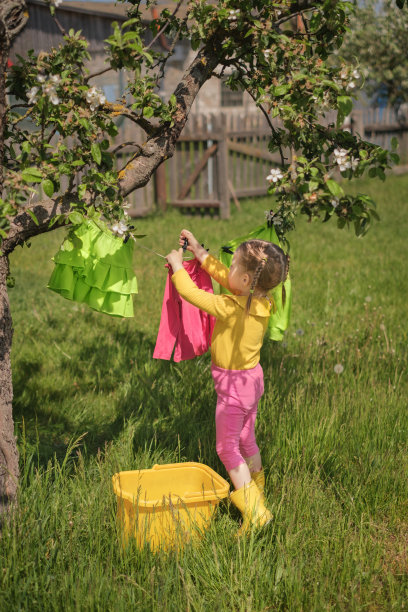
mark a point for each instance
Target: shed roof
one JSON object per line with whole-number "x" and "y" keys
{"x": 117, "y": 10}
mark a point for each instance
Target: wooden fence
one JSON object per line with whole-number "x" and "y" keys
{"x": 218, "y": 159}
{"x": 380, "y": 125}
{"x": 221, "y": 158}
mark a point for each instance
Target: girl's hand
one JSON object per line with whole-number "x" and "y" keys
{"x": 175, "y": 259}
{"x": 193, "y": 245}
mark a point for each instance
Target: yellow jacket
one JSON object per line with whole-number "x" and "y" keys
{"x": 237, "y": 338}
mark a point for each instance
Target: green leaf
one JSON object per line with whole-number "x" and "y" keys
{"x": 280, "y": 90}
{"x": 76, "y": 218}
{"x": 394, "y": 143}
{"x": 335, "y": 188}
{"x": 48, "y": 187}
{"x": 26, "y": 146}
{"x": 345, "y": 103}
{"x": 81, "y": 190}
{"x": 54, "y": 220}
{"x": 31, "y": 175}
{"x": 96, "y": 152}
{"x": 341, "y": 222}
{"x": 32, "y": 215}
{"x": 148, "y": 112}
{"x": 84, "y": 122}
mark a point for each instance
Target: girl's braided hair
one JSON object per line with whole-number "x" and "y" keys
{"x": 267, "y": 263}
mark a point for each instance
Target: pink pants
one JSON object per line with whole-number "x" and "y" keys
{"x": 238, "y": 394}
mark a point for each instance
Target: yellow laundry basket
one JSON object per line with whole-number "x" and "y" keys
{"x": 169, "y": 504}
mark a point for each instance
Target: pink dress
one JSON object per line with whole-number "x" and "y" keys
{"x": 184, "y": 327}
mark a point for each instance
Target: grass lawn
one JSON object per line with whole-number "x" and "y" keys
{"x": 334, "y": 445}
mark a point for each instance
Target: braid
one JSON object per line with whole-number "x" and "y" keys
{"x": 268, "y": 265}
{"x": 255, "y": 278}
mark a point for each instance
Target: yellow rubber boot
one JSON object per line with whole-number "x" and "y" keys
{"x": 249, "y": 502}
{"x": 259, "y": 480}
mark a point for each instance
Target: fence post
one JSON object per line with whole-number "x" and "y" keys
{"x": 222, "y": 159}
{"x": 160, "y": 186}
{"x": 357, "y": 124}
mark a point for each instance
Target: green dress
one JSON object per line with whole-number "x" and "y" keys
{"x": 94, "y": 267}
{"x": 279, "y": 320}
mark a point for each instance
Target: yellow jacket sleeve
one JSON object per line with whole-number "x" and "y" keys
{"x": 220, "y": 306}
{"x": 217, "y": 270}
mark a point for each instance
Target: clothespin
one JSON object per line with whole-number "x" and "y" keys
{"x": 185, "y": 245}
{"x": 226, "y": 249}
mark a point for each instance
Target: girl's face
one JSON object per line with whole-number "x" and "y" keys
{"x": 238, "y": 279}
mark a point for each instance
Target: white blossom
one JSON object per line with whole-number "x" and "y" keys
{"x": 119, "y": 228}
{"x": 338, "y": 368}
{"x": 342, "y": 159}
{"x": 32, "y": 95}
{"x": 56, "y": 2}
{"x": 275, "y": 175}
{"x": 267, "y": 53}
{"x": 95, "y": 98}
{"x": 54, "y": 98}
{"x": 350, "y": 85}
{"x": 233, "y": 15}
{"x": 48, "y": 86}
{"x": 355, "y": 74}
{"x": 340, "y": 153}
{"x": 334, "y": 202}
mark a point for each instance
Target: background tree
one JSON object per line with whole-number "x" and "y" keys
{"x": 378, "y": 37}
{"x": 277, "y": 51}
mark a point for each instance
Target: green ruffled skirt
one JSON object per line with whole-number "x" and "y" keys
{"x": 94, "y": 267}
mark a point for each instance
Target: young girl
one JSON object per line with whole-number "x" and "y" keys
{"x": 241, "y": 321}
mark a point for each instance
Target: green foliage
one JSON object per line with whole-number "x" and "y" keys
{"x": 285, "y": 59}
{"x": 378, "y": 36}
{"x": 334, "y": 445}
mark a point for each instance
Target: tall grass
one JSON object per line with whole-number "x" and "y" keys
{"x": 90, "y": 401}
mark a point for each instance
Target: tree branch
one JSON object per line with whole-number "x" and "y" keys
{"x": 13, "y": 18}
{"x": 161, "y": 146}
{"x": 23, "y": 227}
{"x": 120, "y": 110}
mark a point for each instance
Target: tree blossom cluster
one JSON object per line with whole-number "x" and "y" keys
{"x": 48, "y": 86}
{"x": 95, "y": 98}
{"x": 345, "y": 161}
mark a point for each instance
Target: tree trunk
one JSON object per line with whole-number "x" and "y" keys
{"x": 13, "y": 17}
{"x": 9, "y": 471}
